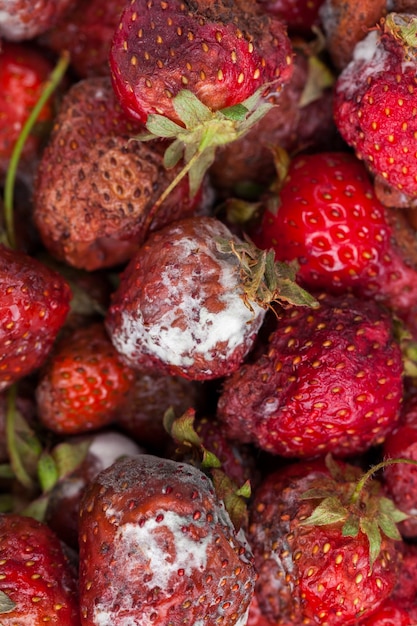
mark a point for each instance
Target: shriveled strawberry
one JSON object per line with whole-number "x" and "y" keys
{"x": 86, "y": 31}
{"x": 24, "y": 19}
{"x": 37, "y": 583}
{"x": 330, "y": 380}
{"x": 95, "y": 188}
{"x": 327, "y": 217}
{"x": 84, "y": 383}
{"x": 157, "y": 546}
{"x": 24, "y": 68}
{"x": 34, "y": 303}
{"x": 187, "y": 306}
{"x": 374, "y": 102}
{"x": 222, "y": 52}
{"x": 299, "y": 15}
{"x": 326, "y": 547}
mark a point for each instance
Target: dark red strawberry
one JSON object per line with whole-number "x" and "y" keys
{"x": 327, "y": 217}
{"x": 24, "y": 69}
{"x": 222, "y": 52}
{"x": 84, "y": 383}
{"x": 299, "y": 15}
{"x": 326, "y": 547}
{"x": 38, "y": 585}
{"x": 95, "y": 187}
{"x": 330, "y": 379}
{"x": 24, "y": 19}
{"x": 158, "y": 547}
{"x": 390, "y": 613}
{"x": 34, "y": 303}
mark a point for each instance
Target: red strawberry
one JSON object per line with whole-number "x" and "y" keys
{"x": 158, "y": 547}
{"x": 330, "y": 379}
{"x": 222, "y": 52}
{"x": 37, "y": 582}
{"x": 299, "y": 15}
{"x": 375, "y": 105}
{"x": 24, "y": 19}
{"x": 24, "y": 69}
{"x": 326, "y": 551}
{"x": 327, "y": 217}
{"x": 34, "y": 303}
{"x": 390, "y": 613}
{"x": 84, "y": 384}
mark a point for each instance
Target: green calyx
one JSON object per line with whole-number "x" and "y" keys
{"x": 344, "y": 501}
{"x": 403, "y": 27}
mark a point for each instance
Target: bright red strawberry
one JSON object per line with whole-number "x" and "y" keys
{"x": 24, "y": 69}
{"x": 84, "y": 384}
{"x": 37, "y": 583}
{"x": 299, "y": 15}
{"x": 374, "y": 103}
{"x": 34, "y": 303}
{"x": 329, "y": 380}
{"x": 24, "y": 19}
{"x": 390, "y": 613}
{"x": 327, "y": 217}
{"x": 158, "y": 547}
{"x": 222, "y": 52}
{"x": 325, "y": 552}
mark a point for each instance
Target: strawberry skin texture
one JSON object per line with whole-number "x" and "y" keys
{"x": 330, "y": 380}
{"x": 222, "y": 52}
{"x": 157, "y": 547}
{"x": 84, "y": 383}
{"x": 34, "y": 304}
{"x": 313, "y": 574}
{"x": 36, "y": 575}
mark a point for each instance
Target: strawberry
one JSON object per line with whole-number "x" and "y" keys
{"x": 182, "y": 306}
{"x": 94, "y": 187}
{"x": 390, "y": 613}
{"x": 222, "y": 52}
{"x": 84, "y": 384}
{"x": 24, "y": 68}
{"x": 34, "y": 303}
{"x": 299, "y": 15}
{"x": 22, "y": 19}
{"x": 158, "y": 547}
{"x": 374, "y": 102}
{"x": 327, "y": 217}
{"x": 37, "y": 582}
{"x": 326, "y": 547}
{"x": 329, "y": 380}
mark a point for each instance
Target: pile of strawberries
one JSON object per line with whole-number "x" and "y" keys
{"x": 208, "y": 313}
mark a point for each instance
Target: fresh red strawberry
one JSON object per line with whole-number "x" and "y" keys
{"x": 390, "y": 613}
{"x": 327, "y": 217}
{"x": 34, "y": 303}
{"x": 158, "y": 547}
{"x": 24, "y": 68}
{"x": 37, "y": 582}
{"x": 95, "y": 188}
{"x": 84, "y": 383}
{"x": 299, "y": 15}
{"x": 183, "y": 306}
{"x": 326, "y": 548}
{"x": 222, "y": 52}
{"x": 86, "y": 32}
{"x": 329, "y": 380}
{"x": 24, "y": 19}
{"x": 374, "y": 102}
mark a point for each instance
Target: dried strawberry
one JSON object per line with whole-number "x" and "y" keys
{"x": 24, "y": 19}
{"x": 37, "y": 582}
{"x": 84, "y": 383}
{"x": 157, "y": 546}
{"x": 330, "y": 379}
{"x": 326, "y": 546}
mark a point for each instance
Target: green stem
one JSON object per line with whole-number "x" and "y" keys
{"x": 18, "y": 468}
{"x": 50, "y": 86}
{"x": 357, "y": 491}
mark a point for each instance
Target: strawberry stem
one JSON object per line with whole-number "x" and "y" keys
{"x": 54, "y": 79}
{"x": 361, "y": 482}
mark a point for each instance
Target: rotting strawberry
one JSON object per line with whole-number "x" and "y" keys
{"x": 326, "y": 547}
{"x": 374, "y": 104}
{"x": 329, "y": 380}
{"x": 95, "y": 188}
{"x": 38, "y": 585}
{"x": 84, "y": 383}
{"x": 192, "y": 299}
{"x": 157, "y": 547}
{"x": 34, "y": 304}
{"x": 326, "y": 216}
{"x": 22, "y": 19}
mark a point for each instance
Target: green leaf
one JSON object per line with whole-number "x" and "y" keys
{"x": 6, "y": 604}
{"x": 37, "y": 508}
{"x": 47, "y": 472}
{"x": 69, "y": 456}
{"x": 237, "y": 112}
{"x": 190, "y": 109}
{"x": 330, "y": 511}
{"x": 351, "y": 526}
{"x": 371, "y": 529}
{"x": 209, "y": 459}
{"x": 173, "y": 154}
{"x": 183, "y": 431}
{"x": 245, "y": 491}
{"x": 6, "y": 471}
{"x": 161, "y": 126}
{"x": 234, "y": 503}
{"x": 199, "y": 169}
